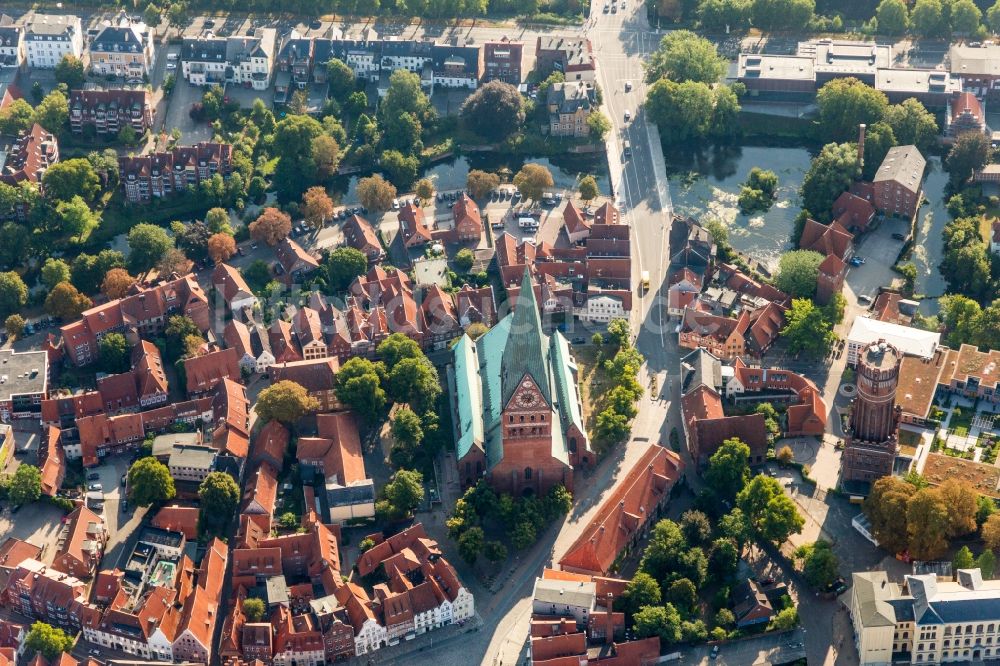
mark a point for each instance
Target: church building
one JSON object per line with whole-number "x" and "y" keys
{"x": 517, "y": 405}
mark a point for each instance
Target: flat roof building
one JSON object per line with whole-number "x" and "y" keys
{"x": 24, "y": 380}
{"x": 909, "y": 341}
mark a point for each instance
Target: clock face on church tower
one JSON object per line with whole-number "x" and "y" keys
{"x": 526, "y": 398}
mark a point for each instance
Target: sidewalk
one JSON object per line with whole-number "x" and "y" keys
{"x": 392, "y": 654}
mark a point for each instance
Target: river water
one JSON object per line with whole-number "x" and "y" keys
{"x": 706, "y": 184}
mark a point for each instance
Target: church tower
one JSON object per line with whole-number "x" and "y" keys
{"x": 870, "y": 448}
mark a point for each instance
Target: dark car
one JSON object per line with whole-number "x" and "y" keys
{"x": 93, "y": 476}
{"x": 899, "y": 236}
{"x": 714, "y": 654}
{"x": 315, "y": 24}
{"x": 579, "y": 341}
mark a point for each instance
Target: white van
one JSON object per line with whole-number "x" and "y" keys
{"x": 527, "y": 223}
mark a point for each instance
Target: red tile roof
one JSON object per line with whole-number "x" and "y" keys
{"x": 413, "y": 226}
{"x": 826, "y": 239}
{"x": 229, "y": 282}
{"x": 271, "y": 443}
{"x": 633, "y": 500}
{"x": 183, "y": 519}
{"x": 206, "y": 371}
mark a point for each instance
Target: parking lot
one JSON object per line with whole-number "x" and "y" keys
{"x": 879, "y": 249}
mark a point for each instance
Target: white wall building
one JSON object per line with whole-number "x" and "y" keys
{"x": 123, "y": 48}
{"x": 910, "y": 341}
{"x": 48, "y": 37}
{"x": 602, "y": 307}
{"x": 565, "y": 598}
{"x": 929, "y": 621}
{"x": 11, "y": 43}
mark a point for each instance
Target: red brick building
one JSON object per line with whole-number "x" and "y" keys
{"x": 108, "y": 111}
{"x": 162, "y": 175}
{"x": 899, "y": 181}
{"x": 502, "y": 61}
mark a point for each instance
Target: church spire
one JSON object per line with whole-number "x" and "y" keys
{"x": 526, "y": 352}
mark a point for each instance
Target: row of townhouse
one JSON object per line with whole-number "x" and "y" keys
{"x": 161, "y": 175}
{"x": 591, "y": 279}
{"x": 293, "y": 61}
{"x": 107, "y": 112}
{"x": 421, "y": 593}
{"x": 120, "y": 47}
{"x": 143, "y": 312}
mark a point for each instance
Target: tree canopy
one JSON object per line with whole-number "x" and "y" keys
{"x": 844, "y": 103}
{"x": 831, "y": 172}
{"x": 494, "y": 111}
{"x": 149, "y": 481}
{"x": 148, "y": 244}
{"x": 48, "y": 640}
{"x": 684, "y": 56}
{"x": 285, "y": 401}
{"x": 25, "y": 485}
{"x": 797, "y": 273}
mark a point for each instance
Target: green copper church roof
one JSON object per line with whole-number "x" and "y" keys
{"x": 526, "y": 352}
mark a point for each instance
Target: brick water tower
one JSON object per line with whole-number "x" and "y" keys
{"x": 871, "y": 445}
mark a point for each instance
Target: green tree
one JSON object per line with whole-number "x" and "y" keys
{"x": 970, "y": 152}
{"x": 254, "y": 609}
{"x": 359, "y": 386}
{"x": 533, "y": 180}
{"x": 470, "y": 544}
{"x": 963, "y": 559}
{"x": 588, "y": 188}
{"x": 683, "y": 595}
{"x": 717, "y": 15}
{"x": 424, "y": 189}
{"x": 55, "y": 271}
{"x": 781, "y": 14}
{"x": 807, "y": 329}
{"x": 993, "y": 17}
{"x": 696, "y": 527}
{"x": 179, "y": 329}
{"x": 787, "y": 618}
{"x": 912, "y": 123}
{"x": 965, "y": 17}
{"x": 13, "y": 293}
{"x": 879, "y": 138}
{"x": 965, "y": 264}
{"x": 285, "y": 401}
{"x": 64, "y": 180}
{"x": 664, "y": 622}
{"x": 728, "y": 469}
{"x": 464, "y": 259}
{"x": 340, "y": 78}
{"x": 986, "y": 563}
{"x": 642, "y": 590}
{"x": 494, "y": 111}
{"x": 927, "y": 525}
{"x": 830, "y": 173}
{"x": 725, "y": 618}
{"x": 14, "y": 324}
{"x": 404, "y": 96}
{"x": 481, "y": 183}
{"x": 73, "y": 219}
{"x": 819, "y": 564}
{"x": 114, "y": 353}
{"x": 771, "y": 513}
{"x": 25, "y": 485}
{"x": 407, "y": 434}
{"x": 404, "y": 493}
{"x": 961, "y": 499}
{"x": 927, "y": 18}
{"x": 217, "y": 221}
{"x": 296, "y": 169}
{"x": 686, "y": 108}
{"x": 342, "y": 265}
{"x": 893, "y": 17}
{"x": 48, "y": 640}
{"x": 684, "y": 56}
{"x": 598, "y": 124}
{"x": 844, "y": 103}
{"x": 53, "y": 113}
{"x": 723, "y": 561}
{"x": 88, "y": 271}
{"x": 218, "y": 497}
{"x": 666, "y": 545}
{"x": 396, "y": 348}
{"x": 149, "y": 481}
{"x": 797, "y": 273}
{"x": 735, "y": 525}
{"x": 16, "y": 118}
{"x": 70, "y": 71}
{"x": 414, "y": 381}
{"x": 147, "y": 244}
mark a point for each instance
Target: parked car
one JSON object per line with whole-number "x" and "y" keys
{"x": 315, "y": 24}
{"x": 628, "y": 86}
{"x": 856, "y": 261}
{"x": 714, "y": 654}
{"x": 899, "y": 236}
{"x": 579, "y": 341}
{"x": 864, "y": 299}
{"x": 95, "y": 486}
{"x": 93, "y": 476}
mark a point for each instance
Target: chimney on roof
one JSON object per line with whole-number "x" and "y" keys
{"x": 609, "y": 636}
{"x": 861, "y": 144}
